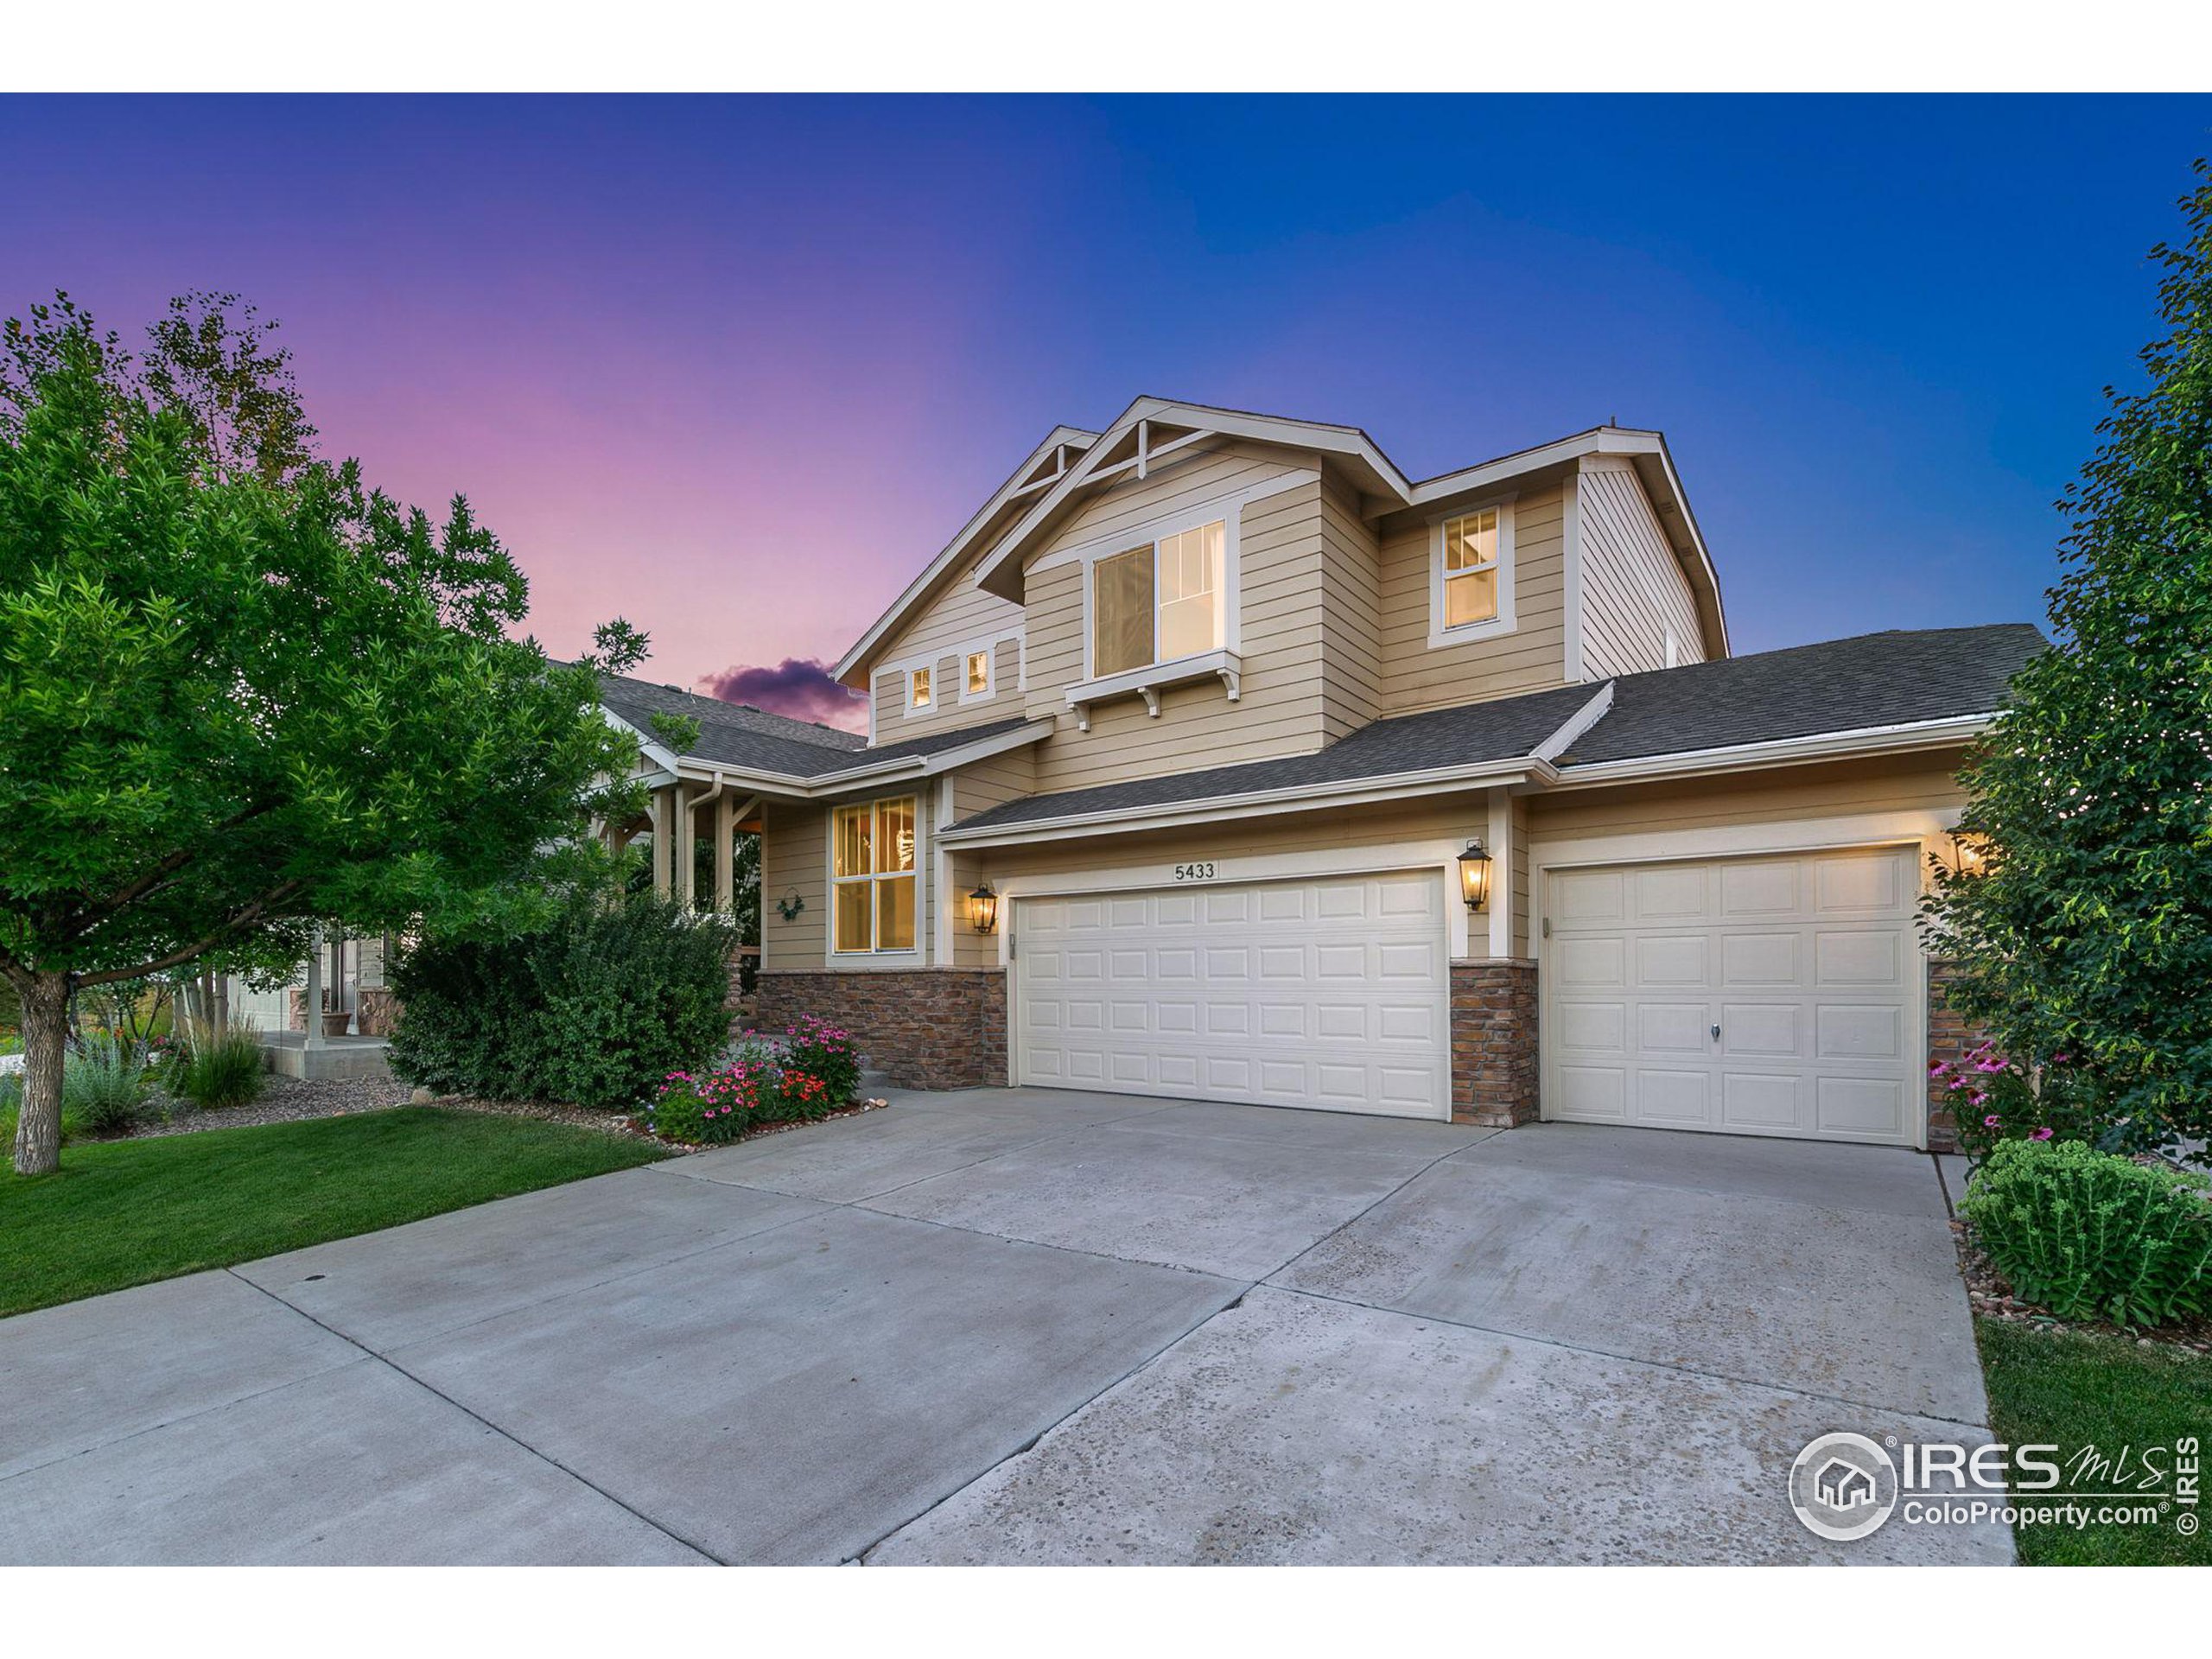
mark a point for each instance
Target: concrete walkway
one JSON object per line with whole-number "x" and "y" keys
{"x": 1019, "y": 1326}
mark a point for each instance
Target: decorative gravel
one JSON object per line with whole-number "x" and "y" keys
{"x": 1992, "y": 1299}
{"x": 286, "y": 1100}
{"x": 290, "y": 1100}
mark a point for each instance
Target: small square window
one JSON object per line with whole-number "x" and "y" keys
{"x": 979, "y": 673}
{"x": 917, "y": 688}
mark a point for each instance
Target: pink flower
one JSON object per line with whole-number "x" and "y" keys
{"x": 2058, "y": 1059}
{"x": 1935, "y": 1068}
{"x": 1957, "y": 1083}
{"x": 2040, "y": 1134}
{"x": 1989, "y": 1123}
{"x": 1977, "y": 1098}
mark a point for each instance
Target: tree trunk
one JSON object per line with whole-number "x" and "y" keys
{"x": 46, "y": 1025}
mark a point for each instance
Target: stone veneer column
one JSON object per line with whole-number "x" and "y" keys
{"x": 924, "y": 1027}
{"x": 1494, "y": 1070}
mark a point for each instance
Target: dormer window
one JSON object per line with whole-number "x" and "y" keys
{"x": 1159, "y": 602}
{"x": 1471, "y": 574}
{"x": 918, "y": 689}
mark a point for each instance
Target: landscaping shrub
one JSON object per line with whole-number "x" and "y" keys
{"x": 103, "y": 1086}
{"x": 1996, "y": 1099}
{"x": 218, "y": 1066}
{"x": 823, "y": 1051}
{"x": 2089, "y": 1235}
{"x": 807, "y": 1074}
{"x": 596, "y": 1007}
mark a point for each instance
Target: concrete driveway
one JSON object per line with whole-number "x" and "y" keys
{"x": 1021, "y": 1325}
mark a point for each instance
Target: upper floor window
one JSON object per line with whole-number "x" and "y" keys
{"x": 978, "y": 683}
{"x": 872, "y": 878}
{"x": 1471, "y": 575}
{"x": 1160, "y": 601}
{"x": 917, "y": 688}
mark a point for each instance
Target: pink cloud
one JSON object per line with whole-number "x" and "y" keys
{"x": 799, "y": 687}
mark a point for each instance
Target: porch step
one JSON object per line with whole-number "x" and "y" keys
{"x": 873, "y": 1082}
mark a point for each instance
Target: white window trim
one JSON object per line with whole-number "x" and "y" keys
{"x": 1503, "y": 622}
{"x": 1227, "y": 512}
{"x": 989, "y": 654}
{"x": 831, "y": 955}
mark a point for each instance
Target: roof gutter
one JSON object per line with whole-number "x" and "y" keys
{"x": 1782, "y": 751}
{"x": 820, "y": 785}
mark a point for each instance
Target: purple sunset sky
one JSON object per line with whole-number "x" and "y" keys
{"x": 736, "y": 368}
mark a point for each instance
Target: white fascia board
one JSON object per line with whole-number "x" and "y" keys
{"x": 1782, "y": 751}
{"x": 655, "y": 751}
{"x": 953, "y": 550}
{"x": 1577, "y": 723}
{"x": 1305, "y": 798}
{"x": 1598, "y": 441}
{"x": 1264, "y": 428}
{"x": 816, "y": 786}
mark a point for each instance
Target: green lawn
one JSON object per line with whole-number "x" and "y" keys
{"x": 2071, "y": 1390}
{"x": 128, "y": 1212}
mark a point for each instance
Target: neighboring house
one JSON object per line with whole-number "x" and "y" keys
{"x": 1176, "y": 752}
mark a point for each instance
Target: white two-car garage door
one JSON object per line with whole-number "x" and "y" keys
{"x": 1328, "y": 994}
{"x": 1754, "y": 995}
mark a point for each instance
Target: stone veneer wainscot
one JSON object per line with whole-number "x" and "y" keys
{"x": 924, "y": 1028}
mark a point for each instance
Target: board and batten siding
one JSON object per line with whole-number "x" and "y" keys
{"x": 1282, "y": 550}
{"x": 1633, "y": 589}
{"x": 1533, "y": 658}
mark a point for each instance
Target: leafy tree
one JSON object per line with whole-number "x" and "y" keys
{"x": 2089, "y": 932}
{"x": 240, "y": 690}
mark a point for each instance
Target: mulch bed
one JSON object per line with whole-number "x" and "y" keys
{"x": 292, "y": 1100}
{"x": 1992, "y": 1299}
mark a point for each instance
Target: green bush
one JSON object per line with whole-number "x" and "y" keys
{"x": 2088, "y": 1234}
{"x": 598, "y": 1008}
{"x": 816, "y": 1049}
{"x": 103, "y": 1086}
{"x": 218, "y": 1067}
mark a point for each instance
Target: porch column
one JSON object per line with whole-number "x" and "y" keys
{"x": 725, "y": 853}
{"x": 664, "y": 831}
{"x": 686, "y": 848}
{"x": 315, "y": 987}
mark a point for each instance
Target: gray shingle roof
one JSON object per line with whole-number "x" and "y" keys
{"x": 738, "y": 735}
{"x": 1876, "y": 679}
{"x": 1841, "y": 686}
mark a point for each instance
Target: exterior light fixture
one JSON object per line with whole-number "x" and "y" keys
{"x": 1969, "y": 855}
{"x": 1474, "y": 876}
{"x": 984, "y": 908}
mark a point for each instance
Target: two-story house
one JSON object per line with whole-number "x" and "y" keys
{"x": 1215, "y": 757}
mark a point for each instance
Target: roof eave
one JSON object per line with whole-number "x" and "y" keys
{"x": 1948, "y": 732}
{"x": 823, "y": 785}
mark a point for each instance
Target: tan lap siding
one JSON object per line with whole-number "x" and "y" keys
{"x": 793, "y": 840}
{"x": 1780, "y": 796}
{"x": 1532, "y": 657}
{"x": 1351, "y": 653}
{"x": 1633, "y": 589}
{"x": 1281, "y": 551}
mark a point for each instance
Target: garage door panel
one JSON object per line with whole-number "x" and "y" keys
{"x": 1665, "y": 1095}
{"x": 1329, "y": 994}
{"x": 1869, "y": 957}
{"x": 1768, "y": 1029}
{"x": 1816, "y": 996}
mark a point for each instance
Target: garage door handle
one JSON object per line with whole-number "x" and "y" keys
{"x": 1716, "y": 1034}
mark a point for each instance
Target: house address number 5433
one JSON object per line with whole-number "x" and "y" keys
{"x": 1201, "y": 871}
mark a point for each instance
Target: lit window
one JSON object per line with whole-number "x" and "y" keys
{"x": 872, "y": 876}
{"x": 1471, "y": 569}
{"x": 1160, "y": 602}
{"x": 979, "y": 673}
{"x": 917, "y": 688}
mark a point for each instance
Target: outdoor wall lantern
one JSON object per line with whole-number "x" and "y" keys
{"x": 1969, "y": 855}
{"x": 1474, "y": 876}
{"x": 984, "y": 908}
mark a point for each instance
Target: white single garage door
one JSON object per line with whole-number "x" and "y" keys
{"x": 1328, "y": 994}
{"x": 1753, "y": 995}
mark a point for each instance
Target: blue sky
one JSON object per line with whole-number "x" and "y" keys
{"x": 736, "y": 368}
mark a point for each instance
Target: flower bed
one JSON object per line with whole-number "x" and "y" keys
{"x": 805, "y": 1075}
